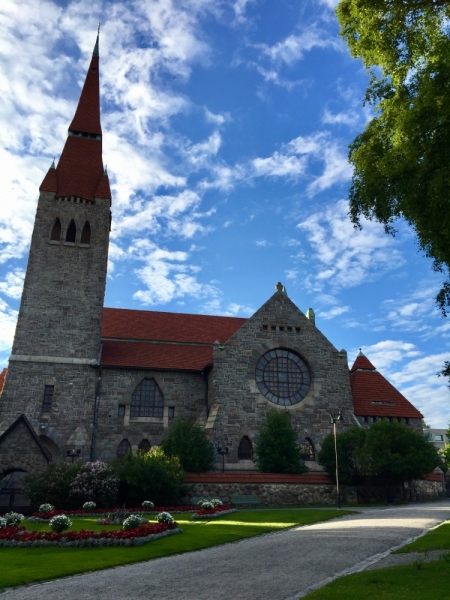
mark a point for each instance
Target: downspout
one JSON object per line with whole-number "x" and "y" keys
{"x": 205, "y": 379}
{"x": 98, "y": 389}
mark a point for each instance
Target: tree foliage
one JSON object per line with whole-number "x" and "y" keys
{"x": 349, "y": 444}
{"x": 386, "y": 454}
{"x": 188, "y": 440}
{"x": 149, "y": 475}
{"x": 276, "y": 447}
{"x": 53, "y": 485}
{"x": 402, "y": 159}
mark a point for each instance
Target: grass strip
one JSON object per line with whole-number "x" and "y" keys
{"x": 419, "y": 581}
{"x": 20, "y": 566}
{"x": 437, "y": 539}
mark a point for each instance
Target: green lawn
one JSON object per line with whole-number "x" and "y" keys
{"x": 26, "y": 565}
{"x": 438, "y": 539}
{"x": 430, "y": 580}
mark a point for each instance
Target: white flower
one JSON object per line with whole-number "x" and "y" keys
{"x": 165, "y": 517}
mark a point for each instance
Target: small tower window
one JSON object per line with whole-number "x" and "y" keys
{"x": 56, "y": 231}
{"x": 307, "y": 450}
{"x": 245, "y": 450}
{"x": 48, "y": 397}
{"x": 71, "y": 232}
{"x": 123, "y": 448}
{"x": 144, "y": 446}
{"x": 86, "y": 234}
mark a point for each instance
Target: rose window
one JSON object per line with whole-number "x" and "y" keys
{"x": 282, "y": 377}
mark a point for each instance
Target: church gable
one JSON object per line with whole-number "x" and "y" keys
{"x": 20, "y": 448}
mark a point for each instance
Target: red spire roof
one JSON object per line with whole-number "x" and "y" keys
{"x": 374, "y": 396}
{"x": 49, "y": 183}
{"x": 103, "y": 189}
{"x": 80, "y": 168}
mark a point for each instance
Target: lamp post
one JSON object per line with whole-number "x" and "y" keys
{"x": 222, "y": 452}
{"x": 72, "y": 454}
{"x": 334, "y": 418}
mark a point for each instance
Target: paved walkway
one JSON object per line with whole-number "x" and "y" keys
{"x": 278, "y": 566}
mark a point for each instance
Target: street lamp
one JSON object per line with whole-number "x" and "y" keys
{"x": 71, "y": 454}
{"x": 334, "y": 418}
{"x": 222, "y": 452}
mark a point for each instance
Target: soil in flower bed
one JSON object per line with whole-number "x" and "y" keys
{"x": 21, "y": 566}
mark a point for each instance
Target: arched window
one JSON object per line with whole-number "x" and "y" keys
{"x": 307, "y": 448}
{"x": 71, "y": 232}
{"x": 147, "y": 400}
{"x": 56, "y": 231}
{"x": 86, "y": 234}
{"x": 245, "y": 450}
{"x": 123, "y": 448}
{"x": 144, "y": 446}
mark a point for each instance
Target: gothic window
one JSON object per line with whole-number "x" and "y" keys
{"x": 56, "y": 231}
{"x": 144, "y": 446}
{"x": 282, "y": 377}
{"x": 123, "y": 448}
{"x": 245, "y": 449}
{"x": 71, "y": 232}
{"x": 147, "y": 400}
{"x": 48, "y": 397}
{"x": 307, "y": 450}
{"x": 86, "y": 234}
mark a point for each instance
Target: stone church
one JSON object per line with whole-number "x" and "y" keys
{"x": 88, "y": 382}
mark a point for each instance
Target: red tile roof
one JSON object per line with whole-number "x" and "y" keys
{"x": 87, "y": 115}
{"x": 146, "y": 355}
{"x": 167, "y": 327}
{"x": 80, "y": 168}
{"x": 103, "y": 190}
{"x": 373, "y": 395}
{"x": 49, "y": 184}
{"x": 2, "y": 379}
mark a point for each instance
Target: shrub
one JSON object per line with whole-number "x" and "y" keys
{"x": 149, "y": 474}
{"x": 216, "y": 502}
{"x": 188, "y": 440}
{"x": 207, "y": 505}
{"x": 46, "y": 508}
{"x": 165, "y": 517}
{"x": 147, "y": 504}
{"x": 96, "y": 481}
{"x": 2, "y": 522}
{"x": 276, "y": 447}
{"x": 60, "y": 523}
{"x": 134, "y": 521}
{"x": 53, "y": 485}
{"x": 13, "y": 519}
{"x": 89, "y": 506}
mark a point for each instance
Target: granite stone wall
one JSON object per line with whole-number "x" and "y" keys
{"x": 242, "y": 408}
{"x": 20, "y": 451}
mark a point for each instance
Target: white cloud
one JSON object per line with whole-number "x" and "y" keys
{"x": 234, "y": 309}
{"x": 384, "y": 354}
{"x": 8, "y": 318}
{"x": 334, "y": 312}
{"x": 347, "y": 117}
{"x": 239, "y": 8}
{"x": 346, "y": 256}
{"x": 293, "y": 47}
{"x": 217, "y": 119}
{"x": 13, "y": 283}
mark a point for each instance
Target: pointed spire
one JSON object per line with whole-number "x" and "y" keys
{"x": 53, "y": 164}
{"x": 95, "y": 52}
{"x": 50, "y": 182}
{"x": 361, "y": 353}
{"x": 362, "y": 363}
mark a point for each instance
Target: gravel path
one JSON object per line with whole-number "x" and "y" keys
{"x": 278, "y": 566}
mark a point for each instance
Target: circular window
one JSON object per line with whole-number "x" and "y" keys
{"x": 282, "y": 377}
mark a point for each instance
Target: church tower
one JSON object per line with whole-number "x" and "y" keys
{"x": 53, "y": 370}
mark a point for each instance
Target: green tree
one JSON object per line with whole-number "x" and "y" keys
{"x": 402, "y": 159}
{"x": 149, "y": 475}
{"x": 276, "y": 447}
{"x": 188, "y": 440}
{"x": 53, "y": 485}
{"x": 349, "y": 445}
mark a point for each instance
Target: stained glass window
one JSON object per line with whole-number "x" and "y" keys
{"x": 147, "y": 400}
{"x": 282, "y": 377}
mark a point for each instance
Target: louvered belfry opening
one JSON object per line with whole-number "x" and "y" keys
{"x": 56, "y": 231}
{"x": 86, "y": 234}
{"x": 71, "y": 232}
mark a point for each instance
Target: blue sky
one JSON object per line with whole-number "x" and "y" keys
{"x": 226, "y": 125}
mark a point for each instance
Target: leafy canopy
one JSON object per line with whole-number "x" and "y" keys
{"x": 276, "y": 447}
{"x": 188, "y": 440}
{"x": 349, "y": 445}
{"x": 402, "y": 159}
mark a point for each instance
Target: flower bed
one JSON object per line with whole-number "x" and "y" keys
{"x": 40, "y": 517}
{"x": 20, "y": 537}
{"x": 213, "y": 513}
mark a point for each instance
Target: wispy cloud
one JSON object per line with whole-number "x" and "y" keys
{"x": 13, "y": 283}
